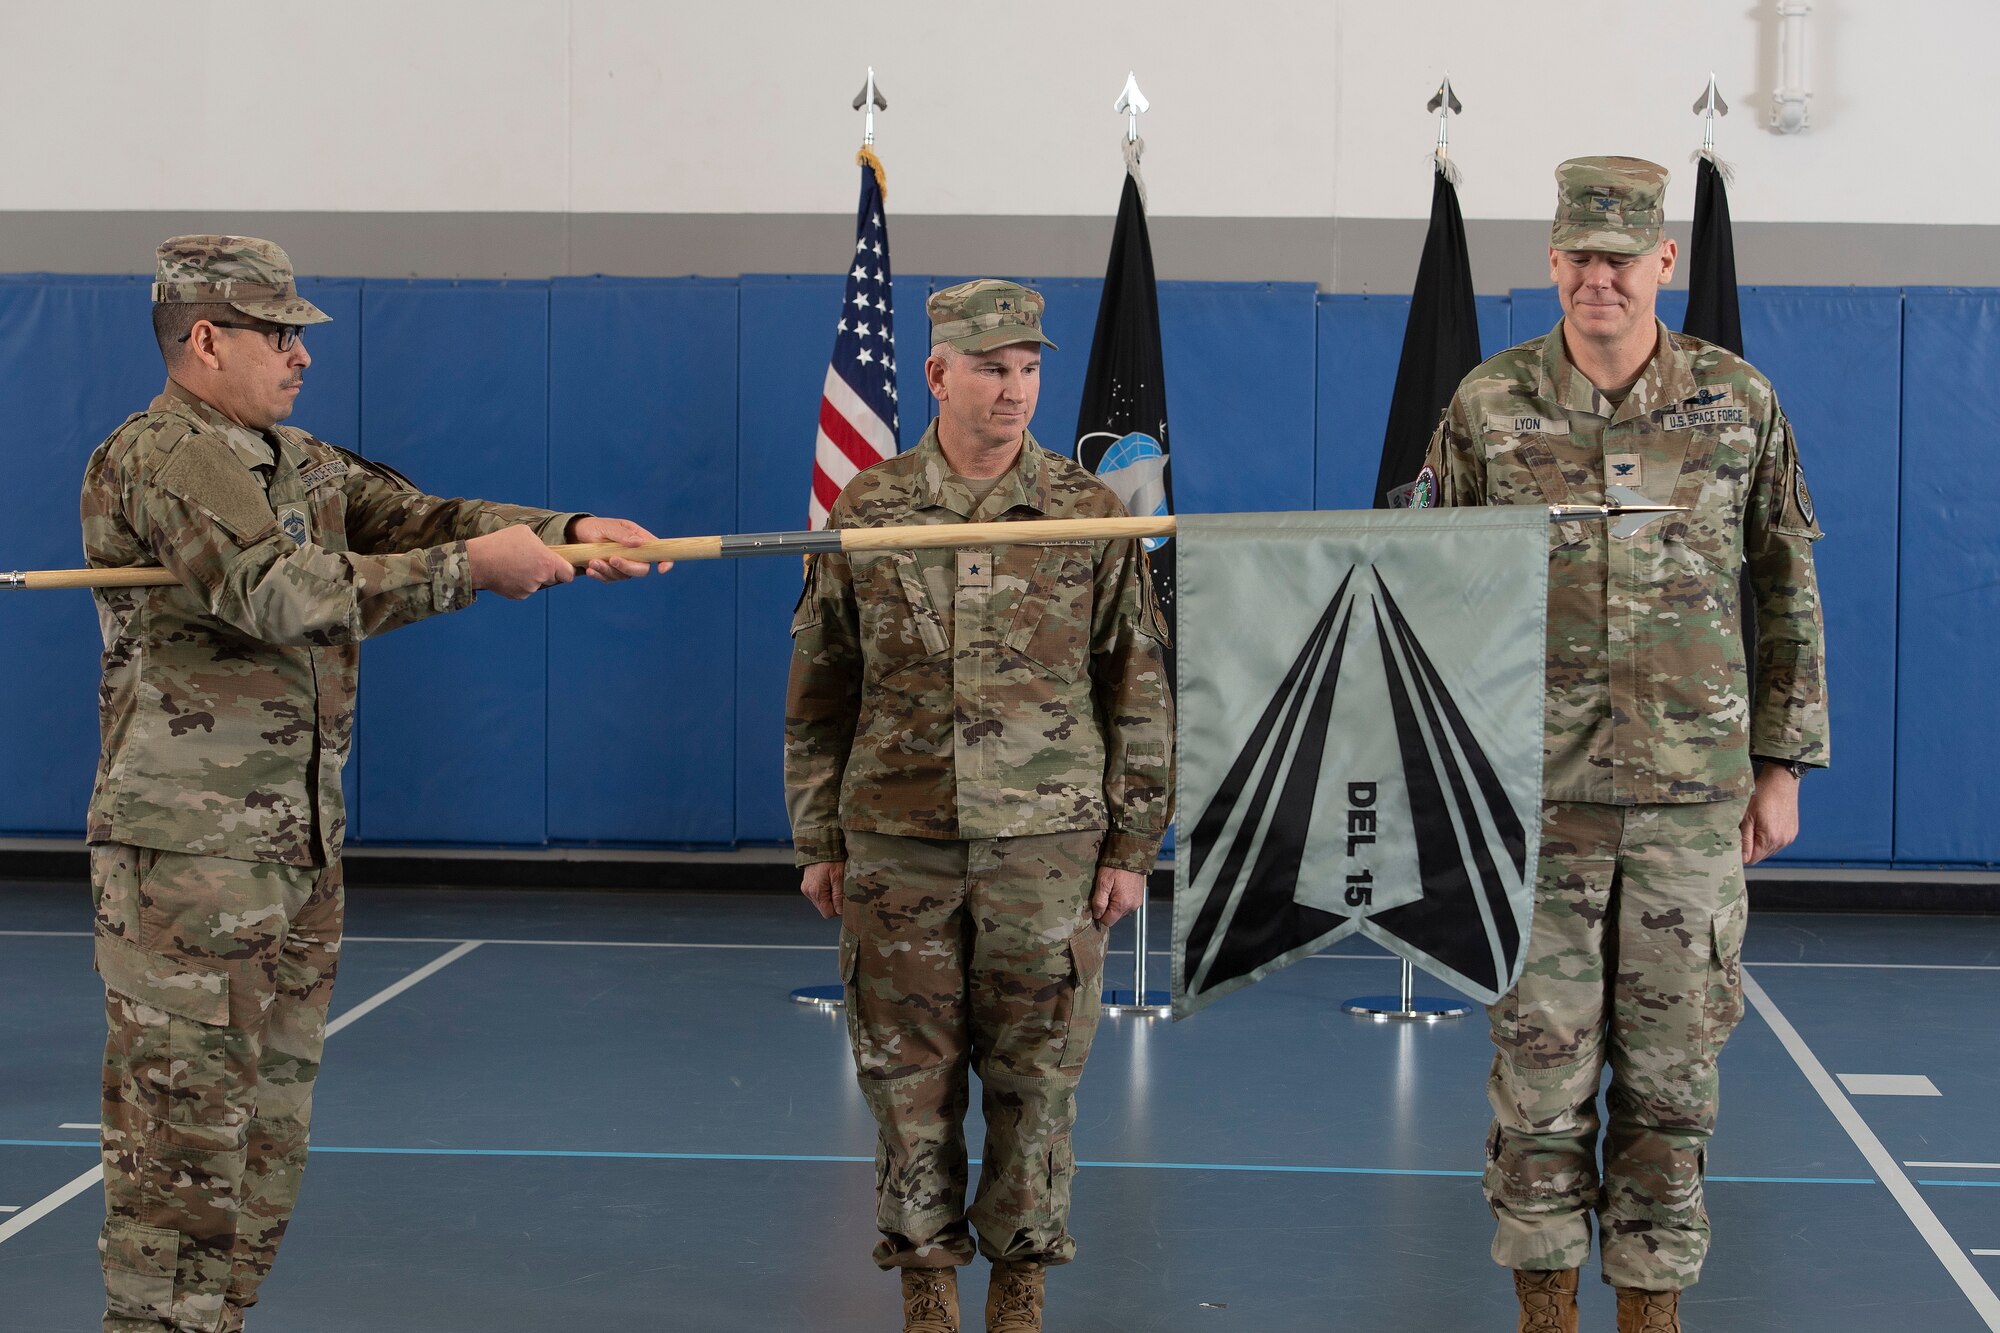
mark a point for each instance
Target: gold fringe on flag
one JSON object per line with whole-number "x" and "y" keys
{"x": 866, "y": 158}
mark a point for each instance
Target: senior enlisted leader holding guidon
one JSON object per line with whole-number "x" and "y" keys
{"x": 976, "y": 761}
{"x": 227, "y": 706}
{"x": 1664, "y": 771}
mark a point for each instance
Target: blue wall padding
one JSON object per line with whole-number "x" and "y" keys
{"x": 454, "y": 710}
{"x": 1240, "y": 400}
{"x": 76, "y": 358}
{"x": 1834, "y": 357}
{"x": 1948, "y": 625}
{"x": 652, "y": 713}
{"x": 1359, "y": 345}
{"x": 642, "y": 677}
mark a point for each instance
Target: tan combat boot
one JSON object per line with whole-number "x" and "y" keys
{"x": 1548, "y": 1299}
{"x": 1648, "y": 1311}
{"x": 1014, "y": 1300}
{"x": 930, "y": 1300}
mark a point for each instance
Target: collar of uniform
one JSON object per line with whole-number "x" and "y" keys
{"x": 1563, "y": 384}
{"x": 1665, "y": 381}
{"x": 1675, "y": 369}
{"x": 1024, "y": 484}
{"x": 252, "y": 447}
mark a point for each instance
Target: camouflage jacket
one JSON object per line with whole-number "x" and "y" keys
{"x": 1649, "y": 697}
{"x": 980, "y": 693}
{"x": 228, "y": 698}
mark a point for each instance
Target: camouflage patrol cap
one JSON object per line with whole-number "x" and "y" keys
{"x": 1613, "y": 204}
{"x": 986, "y": 313}
{"x": 251, "y": 275}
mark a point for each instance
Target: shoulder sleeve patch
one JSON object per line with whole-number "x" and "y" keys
{"x": 1152, "y": 615}
{"x": 205, "y": 473}
{"x": 1794, "y": 503}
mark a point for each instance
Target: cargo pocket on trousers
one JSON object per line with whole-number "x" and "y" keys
{"x": 1086, "y": 996}
{"x": 174, "y": 1042}
{"x": 1724, "y": 1006}
{"x": 139, "y": 1270}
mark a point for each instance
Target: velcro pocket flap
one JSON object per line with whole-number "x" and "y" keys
{"x": 206, "y": 473}
{"x": 169, "y": 984}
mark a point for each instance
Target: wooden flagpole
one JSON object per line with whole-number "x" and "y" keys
{"x": 1027, "y": 532}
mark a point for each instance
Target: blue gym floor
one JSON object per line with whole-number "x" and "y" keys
{"x": 584, "y": 1111}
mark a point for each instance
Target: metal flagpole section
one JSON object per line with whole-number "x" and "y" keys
{"x": 1139, "y": 1000}
{"x": 1408, "y": 1006}
{"x": 868, "y": 101}
{"x": 1131, "y": 103}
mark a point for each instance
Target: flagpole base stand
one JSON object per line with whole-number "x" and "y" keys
{"x": 1151, "y": 1004}
{"x": 821, "y": 997}
{"x": 1406, "y": 1008}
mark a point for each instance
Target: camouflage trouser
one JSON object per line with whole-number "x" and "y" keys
{"x": 217, "y": 975}
{"x": 960, "y": 956}
{"x": 1634, "y": 962}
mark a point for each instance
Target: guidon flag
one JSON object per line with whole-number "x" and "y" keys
{"x": 1360, "y": 741}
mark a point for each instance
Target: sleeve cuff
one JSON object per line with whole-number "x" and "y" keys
{"x": 810, "y": 848}
{"x": 451, "y": 577}
{"x": 1130, "y": 851}
{"x": 554, "y": 531}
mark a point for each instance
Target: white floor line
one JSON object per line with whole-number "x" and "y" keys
{"x": 35, "y": 1212}
{"x": 77, "y": 1124}
{"x": 1988, "y": 1253}
{"x": 1957, "y": 1166}
{"x": 1892, "y": 967}
{"x": 10, "y": 1208}
{"x": 1948, "y": 1251}
{"x": 388, "y": 993}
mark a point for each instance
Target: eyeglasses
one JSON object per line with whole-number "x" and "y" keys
{"x": 287, "y": 335}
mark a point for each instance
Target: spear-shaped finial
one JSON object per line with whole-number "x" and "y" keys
{"x": 1132, "y": 102}
{"x": 1710, "y": 105}
{"x": 871, "y": 97}
{"x": 1445, "y": 102}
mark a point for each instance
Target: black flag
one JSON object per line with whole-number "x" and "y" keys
{"x": 1121, "y": 425}
{"x": 1712, "y": 314}
{"x": 1440, "y": 345}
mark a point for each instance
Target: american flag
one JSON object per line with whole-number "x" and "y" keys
{"x": 857, "y": 408}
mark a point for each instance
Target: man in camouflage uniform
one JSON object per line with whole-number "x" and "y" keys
{"x": 1663, "y": 773}
{"x": 227, "y": 706}
{"x": 976, "y": 762}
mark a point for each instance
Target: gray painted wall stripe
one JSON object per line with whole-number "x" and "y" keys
{"x": 1336, "y": 254}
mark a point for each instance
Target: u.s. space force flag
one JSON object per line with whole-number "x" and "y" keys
{"x": 1360, "y": 700}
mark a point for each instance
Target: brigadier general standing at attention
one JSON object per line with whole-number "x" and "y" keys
{"x": 1667, "y": 765}
{"x": 227, "y": 706}
{"x": 976, "y": 763}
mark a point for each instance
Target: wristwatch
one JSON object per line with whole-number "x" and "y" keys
{"x": 1792, "y": 766}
